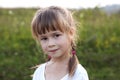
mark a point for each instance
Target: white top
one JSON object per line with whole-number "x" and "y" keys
{"x": 80, "y": 73}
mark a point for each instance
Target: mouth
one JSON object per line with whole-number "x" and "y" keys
{"x": 53, "y": 50}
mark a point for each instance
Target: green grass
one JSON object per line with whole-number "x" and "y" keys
{"x": 97, "y": 49}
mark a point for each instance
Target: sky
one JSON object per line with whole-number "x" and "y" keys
{"x": 62, "y": 3}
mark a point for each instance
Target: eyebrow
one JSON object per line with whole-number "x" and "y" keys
{"x": 55, "y": 32}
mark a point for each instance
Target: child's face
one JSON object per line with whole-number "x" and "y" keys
{"x": 55, "y": 43}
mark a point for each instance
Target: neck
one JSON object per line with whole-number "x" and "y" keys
{"x": 61, "y": 60}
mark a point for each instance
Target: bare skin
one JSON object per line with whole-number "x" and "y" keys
{"x": 56, "y": 69}
{"x": 57, "y": 45}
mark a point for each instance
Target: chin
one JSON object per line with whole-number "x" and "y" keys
{"x": 56, "y": 56}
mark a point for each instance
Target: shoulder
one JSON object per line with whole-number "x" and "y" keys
{"x": 39, "y": 72}
{"x": 80, "y": 69}
{"x": 80, "y": 73}
{"x": 39, "y": 68}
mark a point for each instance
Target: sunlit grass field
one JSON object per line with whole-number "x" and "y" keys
{"x": 98, "y": 46}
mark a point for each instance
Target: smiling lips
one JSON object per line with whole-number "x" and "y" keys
{"x": 53, "y": 50}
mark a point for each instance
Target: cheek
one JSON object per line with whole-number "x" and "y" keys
{"x": 43, "y": 46}
{"x": 64, "y": 42}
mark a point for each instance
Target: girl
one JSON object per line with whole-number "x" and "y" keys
{"x": 54, "y": 28}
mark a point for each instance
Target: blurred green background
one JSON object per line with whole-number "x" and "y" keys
{"x": 98, "y": 47}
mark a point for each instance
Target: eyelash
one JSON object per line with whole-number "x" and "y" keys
{"x": 55, "y": 36}
{"x": 44, "y": 39}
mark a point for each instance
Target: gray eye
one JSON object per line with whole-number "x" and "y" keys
{"x": 44, "y": 38}
{"x": 56, "y": 35}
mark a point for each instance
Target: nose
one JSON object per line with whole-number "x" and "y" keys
{"x": 51, "y": 43}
